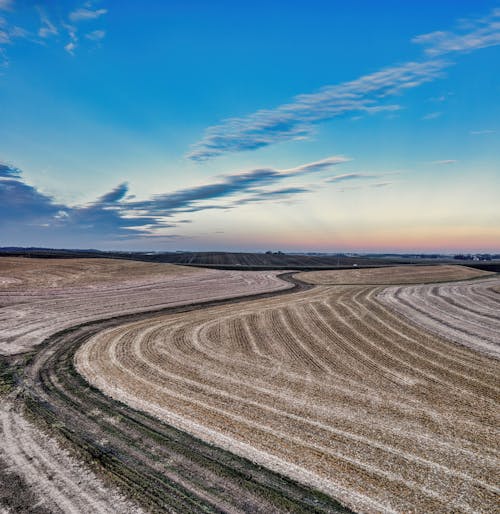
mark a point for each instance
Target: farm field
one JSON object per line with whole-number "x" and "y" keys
{"x": 328, "y": 386}
{"x": 61, "y": 483}
{"x": 38, "y": 297}
{"x": 231, "y": 391}
{"x": 407, "y": 274}
{"x": 465, "y": 313}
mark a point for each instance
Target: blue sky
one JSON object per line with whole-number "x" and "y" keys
{"x": 319, "y": 125}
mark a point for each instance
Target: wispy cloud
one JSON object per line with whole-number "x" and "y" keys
{"x": 381, "y": 184}
{"x": 96, "y": 35}
{"x": 246, "y": 183}
{"x": 85, "y": 14}
{"x": 272, "y": 195}
{"x": 47, "y": 28}
{"x": 117, "y": 214}
{"x": 445, "y": 162}
{"x": 54, "y": 27}
{"x": 470, "y": 35}
{"x": 432, "y": 116}
{"x": 368, "y": 94}
{"x": 349, "y": 176}
{"x": 481, "y": 132}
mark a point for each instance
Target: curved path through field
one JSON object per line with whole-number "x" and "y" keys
{"x": 163, "y": 468}
{"x": 327, "y": 386}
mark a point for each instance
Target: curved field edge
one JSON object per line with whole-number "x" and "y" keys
{"x": 29, "y": 315}
{"x": 393, "y": 275}
{"x": 355, "y": 393}
{"x": 158, "y": 466}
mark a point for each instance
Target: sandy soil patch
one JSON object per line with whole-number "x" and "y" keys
{"x": 392, "y": 275}
{"x": 328, "y": 386}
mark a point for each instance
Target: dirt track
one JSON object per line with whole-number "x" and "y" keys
{"x": 37, "y": 301}
{"x": 327, "y": 386}
{"x": 60, "y": 484}
{"x": 165, "y": 469}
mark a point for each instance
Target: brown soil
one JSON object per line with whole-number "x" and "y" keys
{"x": 165, "y": 469}
{"x": 37, "y": 468}
{"x": 41, "y": 296}
{"x": 327, "y": 386}
{"x": 392, "y": 275}
{"x": 467, "y": 313}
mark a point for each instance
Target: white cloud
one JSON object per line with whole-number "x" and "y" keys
{"x": 481, "y": 132}
{"x": 445, "y": 162}
{"x": 48, "y": 28}
{"x": 366, "y": 95}
{"x": 432, "y": 116}
{"x": 84, "y": 14}
{"x": 96, "y": 35}
{"x": 472, "y": 35}
{"x": 70, "y": 48}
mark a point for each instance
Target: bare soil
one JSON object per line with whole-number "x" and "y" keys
{"x": 392, "y": 275}
{"x": 38, "y": 297}
{"x": 163, "y": 468}
{"x": 37, "y": 468}
{"x": 327, "y": 386}
{"x": 467, "y": 313}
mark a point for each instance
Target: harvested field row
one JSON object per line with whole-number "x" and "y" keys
{"x": 38, "y": 274}
{"x": 392, "y": 275}
{"x": 327, "y": 386}
{"x": 56, "y": 482}
{"x": 30, "y": 314}
{"x": 466, "y": 313}
{"x": 163, "y": 468}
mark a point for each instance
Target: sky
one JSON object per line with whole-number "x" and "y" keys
{"x": 326, "y": 126}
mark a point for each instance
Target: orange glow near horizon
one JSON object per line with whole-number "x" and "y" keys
{"x": 435, "y": 240}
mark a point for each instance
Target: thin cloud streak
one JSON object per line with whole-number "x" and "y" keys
{"x": 85, "y": 14}
{"x": 470, "y": 36}
{"x": 52, "y": 28}
{"x": 445, "y": 162}
{"x": 366, "y": 95}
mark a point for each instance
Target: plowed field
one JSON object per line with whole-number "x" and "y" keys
{"x": 328, "y": 386}
{"x": 466, "y": 313}
{"x": 392, "y": 275}
{"x": 39, "y": 297}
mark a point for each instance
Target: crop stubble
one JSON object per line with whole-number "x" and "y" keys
{"x": 466, "y": 313}
{"x": 38, "y": 297}
{"x": 407, "y": 274}
{"x": 328, "y": 386}
{"x": 60, "y": 484}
